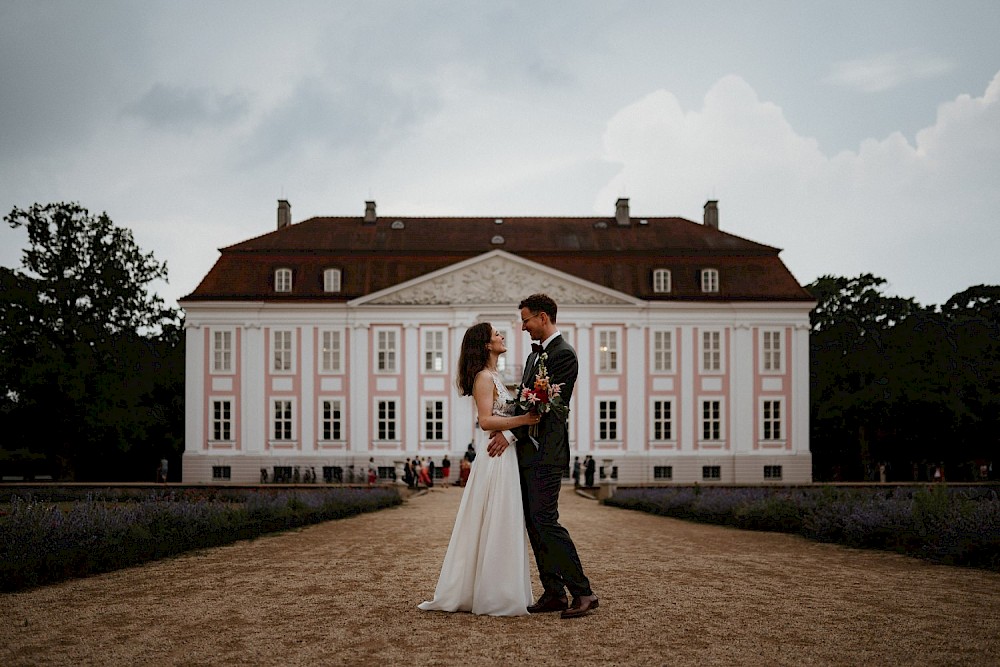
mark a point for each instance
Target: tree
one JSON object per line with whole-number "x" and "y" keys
{"x": 75, "y": 322}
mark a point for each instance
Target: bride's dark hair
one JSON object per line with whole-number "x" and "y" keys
{"x": 473, "y": 356}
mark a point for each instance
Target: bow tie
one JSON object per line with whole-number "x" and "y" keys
{"x": 537, "y": 348}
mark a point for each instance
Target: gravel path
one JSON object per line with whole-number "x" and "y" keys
{"x": 672, "y": 592}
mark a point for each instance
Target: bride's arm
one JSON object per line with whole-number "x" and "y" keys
{"x": 482, "y": 392}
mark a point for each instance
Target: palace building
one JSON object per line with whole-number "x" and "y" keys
{"x": 328, "y": 342}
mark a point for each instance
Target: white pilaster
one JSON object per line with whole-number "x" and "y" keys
{"x": 686, "y": 409}
{"x": 741, "y": 394}
{"x": 307, "y": 403}
{"x": 634, "y": 386}
{"x": 359, "y": 419}
{"x": 256, "y": 412}
{"x": 582, "y": 395}
{"x": 412, "y": 410}
{"x": 195, "y": 362}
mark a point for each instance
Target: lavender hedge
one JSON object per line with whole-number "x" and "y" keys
{"x": 41, "y": 542}
{"x": 946, "y": 524}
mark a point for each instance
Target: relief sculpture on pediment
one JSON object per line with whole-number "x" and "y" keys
{"x": 495, "y": 280}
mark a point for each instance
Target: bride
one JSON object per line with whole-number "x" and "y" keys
{"x": 485, "y": 569}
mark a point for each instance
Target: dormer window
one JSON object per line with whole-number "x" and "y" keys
{"x": 331, "y": 280}
{"x": 709, "y": 280}
{"x": 283, "y": 280}
{"x": 661, "y": 281}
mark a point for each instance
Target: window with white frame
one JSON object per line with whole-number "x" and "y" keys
{"x": 386, "y": 419}
{"x": 772, "y": 472}
{"x": 607, "y": 420}
{"x": 433, "y": 419}
{"x": 771, "y": 351}
{"x": 222, "y": 351}
{"x": 434, "y": 351}
{"x": 663, "y": 420}
{"x": 222, "y": 473}
{"x": 661, "y": 281}
{"x": 222, "y": 419}
{"x": 385, "y": 351}
{"x": 281, "y": 351}
{"x": 331, "y": 425}
{"x": 331, "y": 352}
{"x": 663, "y": 352}
{"x": 502, "y": 364}
{"x": 283, "y": 280}
{"x": 770, "y": 419}
{"x": 709, "y": 280}
{"x": 711, "y": 420}
{"x": 711, "y": 351}
{"x": 711, "y": 472}
{"x": 281, "y": 420}
{"x": 607, "y": 350}
{"x": 331, "y": 280}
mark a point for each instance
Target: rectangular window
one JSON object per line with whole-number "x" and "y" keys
{"x": 711, "y": 472}
{"x": 772, "y": 472}
{"x": 222, "y": 420}
{"x": 608, "y": 351}
{"x": 607, "y": 420}
{"x": 771, "y": 353}
{"x": 434, "y": 351}
{"x": 331, "y": 352}
{"x": 771, "y": 420}
{"x": 710, "y": 280}
{"x": 663, "y": 472}
{"x": 386, "y": 427}
{"x": 282, "y": 419}
{"x": 222, "y": 351}
{"x": 661, "y": 280}
{"x": 222, "y": 472}
{"x": 711, "y": 420}
{"x": 502, "y": 365}
{"x": 331, "y": 280}
{"x": 663, "y": 420}
{"x": 663, "y": 353}
{"x": 282, "y": 351}
{"x": 711, "y": 351}
{"x": 385, "y": 351}
{"x": 433, "y": 420}
{"x": 283, "y": 280}
{"x": 332, "y": 419}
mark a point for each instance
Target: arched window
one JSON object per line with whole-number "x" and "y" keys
{"x": 331, "y": 280}
{"x": 283, "y": 280}
{"x": 709, "y": 280}
{"x": 661, "y": 281}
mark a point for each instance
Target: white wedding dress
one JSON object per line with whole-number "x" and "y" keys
{"x": 485, "y": 569}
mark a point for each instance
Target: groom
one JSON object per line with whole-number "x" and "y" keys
{"x": 541, "y": 461}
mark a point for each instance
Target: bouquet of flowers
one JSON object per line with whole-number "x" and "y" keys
{"x": 543, "y": 397}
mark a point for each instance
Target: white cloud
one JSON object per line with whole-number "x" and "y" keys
{"x": 921, "y": 215}
{"x": 888, "y": 70}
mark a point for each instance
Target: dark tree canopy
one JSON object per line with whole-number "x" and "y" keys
{"x": 894, "y": 383}
{"x": 80, "y": 335}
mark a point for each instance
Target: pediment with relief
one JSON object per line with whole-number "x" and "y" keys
{"x": 495, "y": 279}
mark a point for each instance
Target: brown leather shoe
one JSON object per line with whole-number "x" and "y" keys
{"x": 581, "y": 607}
{"x": 547, "y": 603}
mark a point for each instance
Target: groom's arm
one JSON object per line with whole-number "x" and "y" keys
{"x": 563, "y": 369}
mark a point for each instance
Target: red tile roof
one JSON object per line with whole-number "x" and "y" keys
{"x": 375, "y": 256}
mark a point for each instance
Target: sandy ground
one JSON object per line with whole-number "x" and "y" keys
{"x": 345, "y": 592}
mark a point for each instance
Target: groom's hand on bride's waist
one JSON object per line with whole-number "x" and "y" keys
{"x": 498, "y": 443}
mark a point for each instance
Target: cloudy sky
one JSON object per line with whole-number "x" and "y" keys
{"x": 857, "y": 136}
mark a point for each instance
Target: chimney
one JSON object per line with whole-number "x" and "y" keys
{"x": 370, "y": 216}
{"x": 284, "y": 213}
{"x": 712, "y": 213}
{"x": 621, "y": 212}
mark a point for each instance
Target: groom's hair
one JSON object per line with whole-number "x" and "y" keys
{"x": 540, "y": 303}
